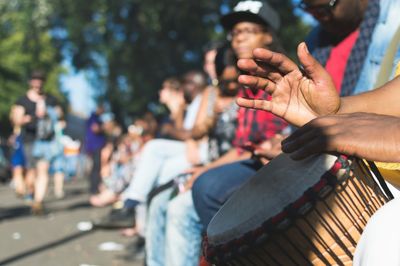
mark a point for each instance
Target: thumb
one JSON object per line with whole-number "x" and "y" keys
{"x": 313, "y": 69}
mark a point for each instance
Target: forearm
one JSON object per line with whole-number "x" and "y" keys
{"x": 383, "y": 100}
{"x": 180, "y": 134}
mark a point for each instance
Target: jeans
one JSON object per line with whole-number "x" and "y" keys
{"x": 173, "y": 234}
{"x": 214, "y": 187}
{"x": 160, "y": 161}
{"x": 94, "y": 178}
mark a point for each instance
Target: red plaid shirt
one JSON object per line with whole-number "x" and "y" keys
{"x": 254, "y": 125}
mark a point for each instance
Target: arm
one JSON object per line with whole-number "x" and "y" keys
{"x": 383, "y": 100}
{"x": 204, "y": 119}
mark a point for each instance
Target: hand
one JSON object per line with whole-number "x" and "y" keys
{"x": 176, "y": 102}
{"x": 270, "y": 148}
{"x": 369, "y": 136}
{"x": 196, "y": 172}
{"x": 296, "y": 97}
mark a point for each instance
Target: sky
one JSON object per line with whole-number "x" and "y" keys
{"x": 81, "y": 93}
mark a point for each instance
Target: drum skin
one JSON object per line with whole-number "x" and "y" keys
{"x": 319, "y": 223}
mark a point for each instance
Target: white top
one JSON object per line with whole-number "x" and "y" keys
{"x": 191, "y": 113}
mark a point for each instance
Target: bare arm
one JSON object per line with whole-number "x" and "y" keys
{"x": 383, "y": 100}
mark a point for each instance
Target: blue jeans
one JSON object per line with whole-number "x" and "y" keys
{"x": 213, "y": 188}
{"x": 173, "y": 234}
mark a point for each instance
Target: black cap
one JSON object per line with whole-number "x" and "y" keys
{"x": 259, "y": 12}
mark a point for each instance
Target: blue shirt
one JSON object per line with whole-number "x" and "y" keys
{"x": 93, "y": 141}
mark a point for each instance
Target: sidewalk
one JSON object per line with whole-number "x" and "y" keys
{"x": 54, "y": 239}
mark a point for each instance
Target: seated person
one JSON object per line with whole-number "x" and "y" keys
{"x": 162, "y": 159}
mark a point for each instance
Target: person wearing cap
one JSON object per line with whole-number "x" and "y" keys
{"x": 250, "y": 25}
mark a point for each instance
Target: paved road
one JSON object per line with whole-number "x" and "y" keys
{"x": 54, "y": 238}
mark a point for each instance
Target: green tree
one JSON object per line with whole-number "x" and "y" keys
{"x": 131, "y": 45}
{"x": 26, "y": 44}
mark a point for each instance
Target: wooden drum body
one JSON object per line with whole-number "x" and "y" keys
{"x": 309, "y": 212}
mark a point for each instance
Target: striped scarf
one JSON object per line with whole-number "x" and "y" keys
{"x": 359, "y": 51}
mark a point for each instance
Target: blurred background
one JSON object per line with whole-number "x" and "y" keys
{"x": 117, "y": 51}
{"x": 113, "y": 52}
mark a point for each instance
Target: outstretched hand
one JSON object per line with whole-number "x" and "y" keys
{"x": 297, "y": 96}
{"x": 370, "y": 136}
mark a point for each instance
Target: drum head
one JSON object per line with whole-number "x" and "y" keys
{"x": 273, "y": 187}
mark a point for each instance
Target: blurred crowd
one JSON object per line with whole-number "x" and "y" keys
{"x": 166, "y": 177}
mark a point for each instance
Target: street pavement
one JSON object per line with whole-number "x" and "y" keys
{"x": 54, "y": 239}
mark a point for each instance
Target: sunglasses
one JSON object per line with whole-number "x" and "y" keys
{"x": 319, "y": 10}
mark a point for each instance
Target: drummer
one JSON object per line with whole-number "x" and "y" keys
{"x": 365, "y": 125}
{"x": 337, "y": 42}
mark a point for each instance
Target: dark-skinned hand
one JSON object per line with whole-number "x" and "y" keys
{"x": 364, "y": 135}
{"x": 297, "y": 96}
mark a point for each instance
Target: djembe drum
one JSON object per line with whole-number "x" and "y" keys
{"x": 309, "y": 212}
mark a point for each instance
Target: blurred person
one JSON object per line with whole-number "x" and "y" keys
{"x": 252, "y": 24}
{"x": 210, "y": 52}
{"x": 123, "y": 162}
{"x": 162, "y": 159}
{"x": 18, "y": 155}
{"x": 58, "y": 164}
{"x": 351, "y": 39}
{"x": 221, "y": 121}
{"x": 94, "y": 142}
{"x": 38, "y": 135}
{"x": 184, "y": 106}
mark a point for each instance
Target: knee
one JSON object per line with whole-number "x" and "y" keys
{"x": 151, "y": 146}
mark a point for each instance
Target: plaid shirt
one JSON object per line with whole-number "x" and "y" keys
{"x": 255, "y": 126}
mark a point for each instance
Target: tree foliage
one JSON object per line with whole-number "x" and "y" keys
{"x": 129, "y": 46}
{"x": 25, "y": 45}
{"x": 132, "y": 44}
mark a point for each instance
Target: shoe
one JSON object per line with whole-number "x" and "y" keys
{"x": 118, "y": 218}
{"x": 136, "y": 249}
{"x": 28, "y": 199}
{"x": 37, "y": 208}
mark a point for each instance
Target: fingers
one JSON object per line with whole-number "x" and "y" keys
{"x": 257, "y": 83}
{"x": 313, "y": 69}
{"x": 310, "y": 148}
{"x": 259, "y": 68}
{"x": 255, "y": 104}
{"x": 319, "y": 135}
{"x": 276, "y": 60}
{"x": 299, "y": 140}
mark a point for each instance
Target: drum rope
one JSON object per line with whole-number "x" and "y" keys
{"x": 371, "y": 202}
{"x": 295, "y": 247}
{"x": 270, "y": 255}
{"x": 360, "y": 197}
{"x": 380, "y": 180}
{"x": 332, "y": 233}
{"x": 345, "y": 210}
{"x": 349, "y": 204}
{"x": 376, "y": 188}
{"x": 338, "y": 223}
{"x": 312, "y": 245}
